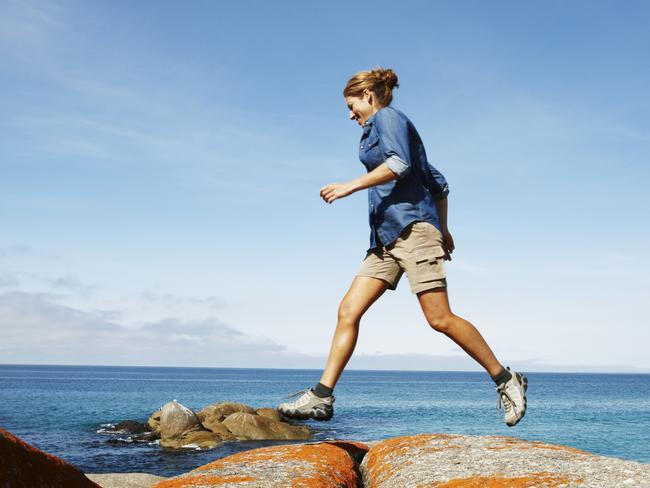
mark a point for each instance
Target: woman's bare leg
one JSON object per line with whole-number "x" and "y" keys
{"x": 435, "y": 305}
{"x": 363, "y": 292}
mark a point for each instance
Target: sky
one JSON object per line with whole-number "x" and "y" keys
{"x": 160, "y": 167}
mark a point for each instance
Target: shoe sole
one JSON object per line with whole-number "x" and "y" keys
{"x": 319, "y": 415}
{"x": 524, "y": 381}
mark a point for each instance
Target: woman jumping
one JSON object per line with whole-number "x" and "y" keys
{"x": 407, "y": 200}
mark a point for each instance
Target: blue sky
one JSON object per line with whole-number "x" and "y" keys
{"x": 161, "y": 163}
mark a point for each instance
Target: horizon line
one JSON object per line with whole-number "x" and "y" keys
{"x": 596, "y": 371}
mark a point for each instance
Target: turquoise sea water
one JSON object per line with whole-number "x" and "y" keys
{"x": 60, "y": 409}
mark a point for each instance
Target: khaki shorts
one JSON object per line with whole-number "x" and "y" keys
{"x": 418, "y": 251}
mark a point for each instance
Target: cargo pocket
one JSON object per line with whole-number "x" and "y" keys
{"x": 429, "y": 263}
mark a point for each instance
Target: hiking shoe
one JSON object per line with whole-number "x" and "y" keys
{"x": 308, "y": 406}
{"x": 512, "y": 394}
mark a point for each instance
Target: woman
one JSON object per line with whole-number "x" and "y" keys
{"x": 409, "y": 234}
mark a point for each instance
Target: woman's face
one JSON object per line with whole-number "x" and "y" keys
{"x": 360, "y": 108}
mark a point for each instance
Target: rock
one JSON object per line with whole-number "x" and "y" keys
{"x": 252, "y": 424}
{"x": 271, "y": 413}
{"x": 426, "y": 460}
{"x": 180, "y": 427}
{"x": 217, "y": 412}
{"x": 154, "y": 421}
{"x": 446, "y": 461}
{"x": 125, "y": 480}
{"x": 129, "y": 431}
{"x": 177, "y": 425}
{"x": 322, "y": 465}
{"x": 24, "y": 466}
{"x": 211, "y": 417}
{"x": 137, "y": 438}
{"x": 198, "y": 438}
{"x": 356, "y": 450}
{"x": 249, "y": 426}
{"x": 147, "y": 437}
{"x": 131, "y": 427}
{"x": 176, "y": 419}
{"x": 220, "y": 429}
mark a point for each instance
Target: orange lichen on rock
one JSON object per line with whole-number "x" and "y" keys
{"x": 322, "y": 465}
{"x": 514, "y": 443}
{"x": 537, "y": 480}
{"x": 302, "y": 452}
{"x": 22, "y": 465}
{"x": 378, "y": 465}
{"x": 204, "y": 480}
{"x": 355, "y": 449}
{"x": 553, "y": 447}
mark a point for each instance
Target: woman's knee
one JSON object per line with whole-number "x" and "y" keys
{"x": 348, "y": 314}
{"x": 441, "y": 322}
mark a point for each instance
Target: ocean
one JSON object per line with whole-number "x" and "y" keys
{"x": 64, "y": 409}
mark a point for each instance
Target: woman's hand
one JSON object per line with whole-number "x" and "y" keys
{"x": 334, "y": 191}
{"x": 448, "y": 243}
{"x": 381, "y": 174}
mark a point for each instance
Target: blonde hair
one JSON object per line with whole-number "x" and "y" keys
{"x": 380, "y": 81}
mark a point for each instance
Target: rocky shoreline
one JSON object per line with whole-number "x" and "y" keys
{"x": 424, "y": 460}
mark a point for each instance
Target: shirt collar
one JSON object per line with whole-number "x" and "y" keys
{"x": 370, "y": 120}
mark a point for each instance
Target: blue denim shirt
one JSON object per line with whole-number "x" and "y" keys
{"x": 390, "y": 137}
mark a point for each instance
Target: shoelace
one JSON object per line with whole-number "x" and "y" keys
{"x": 304, "y": 391}
{"x": 297, "y": 393}
{"x": 503, "y": 396}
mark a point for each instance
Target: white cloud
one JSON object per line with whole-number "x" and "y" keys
{"x": 171, "y": 300}
{"x": 71, "y": 284}
{"x": 15, "y": 250}
{"x": 8, "y": 280}
{"x": 37, "y": 330}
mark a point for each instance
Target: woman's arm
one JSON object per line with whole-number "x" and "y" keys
{"x": 381, "y": 174}
{"x": 442, "y": 206}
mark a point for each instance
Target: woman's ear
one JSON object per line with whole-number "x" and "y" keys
{"x": 367, "y": 96}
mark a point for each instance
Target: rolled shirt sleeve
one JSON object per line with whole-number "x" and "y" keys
{"x": 398, "y": 166}
{"x": 436, "y": 183}
{"x": 394, "y": 142}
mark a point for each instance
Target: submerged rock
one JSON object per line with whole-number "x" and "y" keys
{"x": 131, "y": 427}
{"x": 147, "y": 437}
{"x": 129, "y": 431}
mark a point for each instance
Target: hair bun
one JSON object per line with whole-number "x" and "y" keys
{"x": 386, "y": 76}
{"x": 380, "y": 81}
